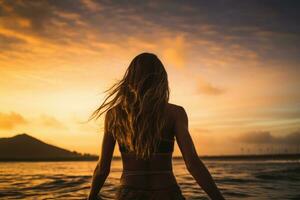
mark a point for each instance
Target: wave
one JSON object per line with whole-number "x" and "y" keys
{"x": 288, "y": 174}
{"x": 237, "y": 180}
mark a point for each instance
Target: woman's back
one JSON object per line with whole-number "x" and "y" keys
{"x": 155, "y": 172}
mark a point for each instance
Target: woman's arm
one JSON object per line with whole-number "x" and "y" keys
{"x": 103, "y": 166}
{"x": 194, "y": 165}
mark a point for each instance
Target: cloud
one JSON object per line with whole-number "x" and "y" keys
{"x": 9, "y": 121}
{"x": 260, "y": 137}
{"x": 265, "y": 137}
{"x": 32, "y": 15}
{"x": 52, "y": 122}
{"x": 201, "y": 130}
{"x": 292, "y": 138}
{"x": 229, "y": 34}
{"x": 9, "y": 42}
{"x": 207, "y": 88}
{"x": 92, "y": 5}
{"x": 174, "y": 51}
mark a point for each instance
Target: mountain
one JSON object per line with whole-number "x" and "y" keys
{"x": 27, "y": 148}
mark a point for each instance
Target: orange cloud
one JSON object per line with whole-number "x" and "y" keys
{"x": 208, "y": 89}
{"x": 265, "y": 137}
{"x": 50, "y": 121}
{"x": 91, "y": 5}
{"x": 8, "y": 121}
{"x": 174, "y": 51}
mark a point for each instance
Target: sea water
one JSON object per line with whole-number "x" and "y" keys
{"x": 237, "y": 179}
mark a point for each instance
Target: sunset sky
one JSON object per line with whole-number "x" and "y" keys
{"x": 233, "y": 65}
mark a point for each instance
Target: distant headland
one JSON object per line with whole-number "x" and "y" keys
{"x": 24, "y": 147}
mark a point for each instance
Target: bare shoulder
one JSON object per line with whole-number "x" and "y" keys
{"x": 173, "y": 107}
{"x": 177, "y": 111}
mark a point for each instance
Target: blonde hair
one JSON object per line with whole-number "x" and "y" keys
{"x": 138, "y": 104}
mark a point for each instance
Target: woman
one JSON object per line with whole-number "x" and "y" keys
{"x": 145, "y": 126}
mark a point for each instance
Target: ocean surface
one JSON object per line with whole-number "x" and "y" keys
{"x": 237, "y": 179}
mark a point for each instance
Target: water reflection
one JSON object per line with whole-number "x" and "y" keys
{"x": 71, "y": 180}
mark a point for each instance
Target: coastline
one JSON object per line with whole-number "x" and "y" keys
{"x": 249, "y": 157}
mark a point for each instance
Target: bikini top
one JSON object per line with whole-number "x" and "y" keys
{"x": 164, "y": 146}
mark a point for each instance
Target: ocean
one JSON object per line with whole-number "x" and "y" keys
{"x": 237, "y": 179}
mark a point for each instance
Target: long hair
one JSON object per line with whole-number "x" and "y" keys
{"x": 137, "y": 106}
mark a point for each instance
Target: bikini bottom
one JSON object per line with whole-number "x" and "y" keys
{"x": 126, "y": 192}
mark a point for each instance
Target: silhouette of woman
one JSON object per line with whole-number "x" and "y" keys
{"x": 145, "y": 127}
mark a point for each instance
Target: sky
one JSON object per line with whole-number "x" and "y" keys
{"x": 233, "y": 65}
